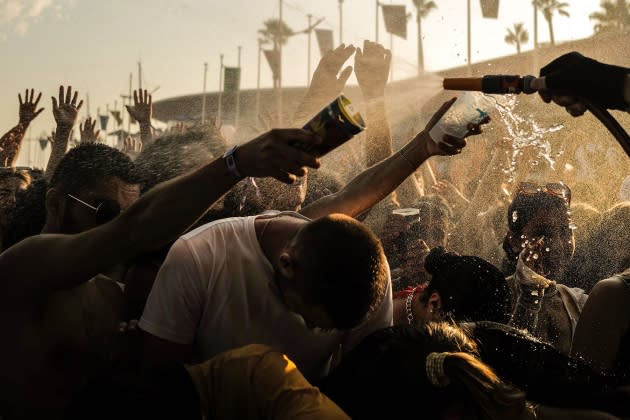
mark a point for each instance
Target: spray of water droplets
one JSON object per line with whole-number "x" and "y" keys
{"x": 524, "y": 132}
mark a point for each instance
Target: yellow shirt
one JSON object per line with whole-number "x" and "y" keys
{"x": 256, "y": 382}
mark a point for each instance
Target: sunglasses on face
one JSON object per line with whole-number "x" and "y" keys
{"x": 104, "y": 211}
{"x": 558, "y": 189}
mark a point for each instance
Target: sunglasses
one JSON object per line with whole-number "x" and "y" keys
{"x": 558, "y": 189}
{"x": 105, "y": 211}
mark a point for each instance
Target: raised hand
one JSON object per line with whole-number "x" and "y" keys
{"x": 573, "y": 75}
{"x": 325, "y": 83}
{"x": 66, "y": 111}
{"x": 132, "y": 147}
{"x": 28, "y": 107}
{"x": 272, "y": 154}
{"x": 88, "y": 131}
{"x": 371, "y": 67}
{"x": 142, "y": 108}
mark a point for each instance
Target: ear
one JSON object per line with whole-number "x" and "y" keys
{"x": 285, "y": 265}
{"x": 434, "y": 304}
{"x": 54, "y": 206}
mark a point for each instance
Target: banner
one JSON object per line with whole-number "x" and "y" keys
{"x": 490, "y": 8}
{"x": 117, "y": 117}
{"x": 104, "y": 120}
{"x": 395, "y": 20}
{"x": 324, "y": 40}
{"x": 273, "y": 58}
{"x": 231, "y": 79}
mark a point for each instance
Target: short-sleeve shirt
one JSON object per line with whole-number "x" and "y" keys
{"x": 217, "y": 291}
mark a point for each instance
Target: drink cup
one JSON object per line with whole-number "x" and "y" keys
{"x": 470, "y": 107}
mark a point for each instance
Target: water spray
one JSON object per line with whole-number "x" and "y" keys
{"x": 512, "y": 84}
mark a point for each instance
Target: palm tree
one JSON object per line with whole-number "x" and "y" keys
{"x": 548, "y": 8}
{"x": 518, "y": 35}
{"x": 615, "y": 16}
{"x": 276, "y": 32}
{"x": 423, "y": 8}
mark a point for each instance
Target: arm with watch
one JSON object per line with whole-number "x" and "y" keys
{"x": 157, "y": 218}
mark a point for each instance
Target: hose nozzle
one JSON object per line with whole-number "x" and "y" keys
{"x": 501, "y": 84}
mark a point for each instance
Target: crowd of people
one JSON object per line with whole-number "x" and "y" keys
{"x": 186, "y": 276}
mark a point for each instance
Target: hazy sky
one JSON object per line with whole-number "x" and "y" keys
{"x": 94, "y": 45}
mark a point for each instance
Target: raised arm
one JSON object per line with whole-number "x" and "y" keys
{"x": 11, "y": 142}
{"x": 376, "y": 182}
{"x": 65, "y": 112}
{"x": 142, "y": 111}
{"x": 371, "y": 66}
{"x": 157, "y": 218}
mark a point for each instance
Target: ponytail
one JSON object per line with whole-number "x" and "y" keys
{"x": 495, "y": 399}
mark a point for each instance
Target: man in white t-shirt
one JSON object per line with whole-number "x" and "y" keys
{"x": 311, "y": 289}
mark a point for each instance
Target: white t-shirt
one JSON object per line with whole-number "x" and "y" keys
{"x": 216, "y": 290}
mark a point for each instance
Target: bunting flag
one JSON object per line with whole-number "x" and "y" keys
{"x": 232, "y": 79}
{"x": 490, "y": 9}
{"x": 117, "y": 117}
{"x": 273, "y": 58}
{"x": 324, "y": 40}
{"x": 395, "y": 20}
{"x": 43, "y": 142}
{"x": 104, "y": 120}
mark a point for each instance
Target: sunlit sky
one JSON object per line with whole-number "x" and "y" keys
{"x": 95, "y": 45}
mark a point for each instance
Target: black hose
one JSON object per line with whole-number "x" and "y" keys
{"x": 610, "y": 123}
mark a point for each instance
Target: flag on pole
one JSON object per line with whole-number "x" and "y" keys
{"x": 231, "y": 79}
{"x": 490, "y": 9}
{"x": 117, "y": 117}
{"x": 273, "y": 58}
{"x": 324, "y": 40}
{"x": 395, "y": 17}
{"x": 104, "y": 120}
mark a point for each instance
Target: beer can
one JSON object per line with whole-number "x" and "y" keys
{"x": 335, "y": 124}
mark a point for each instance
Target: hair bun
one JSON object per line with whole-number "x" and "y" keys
{"x": 437, "y": 258}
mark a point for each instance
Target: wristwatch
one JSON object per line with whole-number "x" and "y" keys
{"x": 230, "y": 162}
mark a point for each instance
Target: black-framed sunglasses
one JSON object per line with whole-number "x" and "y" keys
{"x": 558, "y": 189}
{"x": 104, "y": 211}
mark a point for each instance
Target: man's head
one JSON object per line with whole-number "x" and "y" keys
{"x": 434, "y": 220}
{"x": 333, "y": 272}
{"x": 12, "y": 180}
{"x": 91, "y": 185}
{"x": 542, "y": 217}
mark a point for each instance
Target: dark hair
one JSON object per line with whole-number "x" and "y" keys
{"x": 173, "y": 155}
{"x": 345, "y": 268}
{"x": 88, "y": 164}
{"x": 385, "y": 377}
{"x": 29, "y": 214}
{"x": 470, "y": 288}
